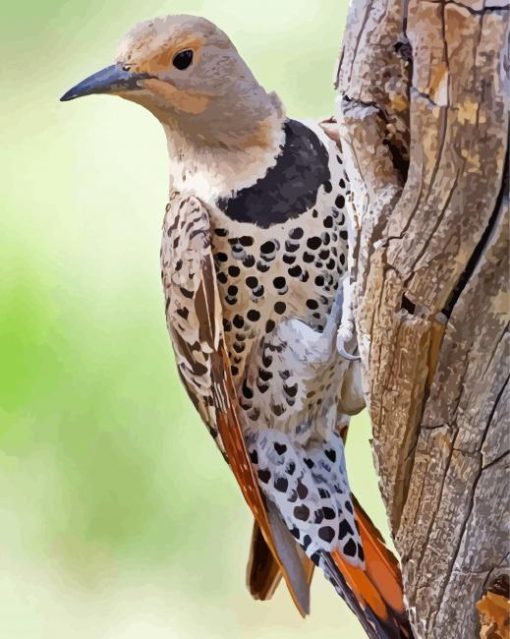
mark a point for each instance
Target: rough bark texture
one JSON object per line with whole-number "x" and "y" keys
{"x": 424, "y": 127}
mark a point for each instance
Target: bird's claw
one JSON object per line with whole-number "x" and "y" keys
{"x": 340, "y": 346}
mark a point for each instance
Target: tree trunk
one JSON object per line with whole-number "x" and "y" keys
{"x": 424, "y": 128}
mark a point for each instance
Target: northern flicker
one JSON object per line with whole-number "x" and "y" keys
{"x": 253, "y": 261}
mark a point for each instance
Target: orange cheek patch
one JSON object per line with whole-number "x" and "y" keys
{"x": 182, "y": 100}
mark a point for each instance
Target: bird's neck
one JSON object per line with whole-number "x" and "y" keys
{"x": 226, "y": 149}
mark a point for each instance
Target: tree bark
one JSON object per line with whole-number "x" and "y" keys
{"x": 423, "y": 124}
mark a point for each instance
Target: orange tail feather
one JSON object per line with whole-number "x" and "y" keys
{"x": 377, "y": 590}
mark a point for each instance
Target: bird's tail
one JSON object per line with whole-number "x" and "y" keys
{"x": 375, "y": 592}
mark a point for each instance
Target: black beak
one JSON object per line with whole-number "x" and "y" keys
{"x": 113, "y": 79}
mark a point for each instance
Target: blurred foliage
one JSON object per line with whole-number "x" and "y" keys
{"x": 117, "y": 516}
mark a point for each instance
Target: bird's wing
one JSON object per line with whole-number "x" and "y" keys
{"x": 195, "y": 323}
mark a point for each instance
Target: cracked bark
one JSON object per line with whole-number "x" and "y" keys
{"x": 424, "y": 128}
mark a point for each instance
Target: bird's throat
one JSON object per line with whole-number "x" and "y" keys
{"x": 216, "y": 162}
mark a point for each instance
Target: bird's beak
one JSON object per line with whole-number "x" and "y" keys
{"x": 112, "y": 79}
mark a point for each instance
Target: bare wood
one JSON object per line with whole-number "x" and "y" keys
{"x": 424, "y": 129}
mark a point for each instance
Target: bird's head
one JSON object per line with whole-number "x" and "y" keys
{"x": 187, "y": 72}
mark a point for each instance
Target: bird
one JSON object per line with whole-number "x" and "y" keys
{"x": 254, "y": 272}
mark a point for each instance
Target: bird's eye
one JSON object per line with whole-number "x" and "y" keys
{"x": 183, "y": 59}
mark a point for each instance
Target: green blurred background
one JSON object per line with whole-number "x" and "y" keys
{"x": 118, "y": 519}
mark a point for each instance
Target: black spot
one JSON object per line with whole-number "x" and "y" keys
{"x": 280, "y": 307}
{"x": 295, "y": 271}
{"x": 264, "y": 375}
{"x": 279, "y": 282}
{"x": 315, "y": 213}
{"x": 186, "y": 293}
{"x": 296, "y": 233}
{"x": 328, "y": 186}
{"x": 328, "y": 222}
{"x": 344, "y": 529}
{"x": 307, "y": 257}
{"x": 221, "y": 232}
{"x": 316, "y": 557}
{"x": 310, "y": 464}
{"x": 344, "y": 235}
{"x": 289, "y": 259}
{"x": 325, "y": 494}
{"x": 232, "y": 290}
{"x": 239, "y": 348}
{"x": 234, "y": 271}
{"x": 324, "y": 254}
{"x": 329, "y": 513}
{"x": 280, "y": 448}
{"x": 234, "y": 370}
{"x": 340, "y": 201}
{"x": 183, "y": 312}
{"x": 290, "y": 247}
{"x": 262, "y": 387}
{"x": 350, "y": 548}
{"x": 290, "y": 468}
{"x": 222, "y": 278}
{"x": 238, "y": 321}
{"x": 251, "y": 281}
{"x": 331, "y": 455}
{"x": 263, "y": 268}
{"x": 267, "y": 360}
{"x": 246, "y": 240}
{"x": 281, "y": 484}
{"x": 361, "y": 554}
{"x": 341, "y": 183}
{"x": 268, "y": 247}
{"x": 327, "y": 533}
{"x": 325, "y": 238}
{"x": 314, "y": 242}
{"x": 331, "y": 264}
{"x": 264, "y": 475}
{"x": 312, "y": 304}
{"x": 348, "y": 506}
{"x": 270, "y": 326}
{"x": 292, "y": 498}
{"x": 254, "y": 458}
{"x": 253, "y": 315}
{"x": 307, "y": 540}
{"x": 278, "y": 409}
{"x": 259, "y": 291}
{"x": 221, "y": 257}
{"x": 302, "y": 490}
{"x": 227, "y": 326}
{"x": 285, "y": 374}
{"x": 247, "y": 392}
{"x": 301, "y": 512}
{"x": 318, "y": 516}
{"x": 319, "y": 280}
{"x": 249, "y": 261}
{"x": 291, "y": 391}
{"x": 295, "y": 532}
